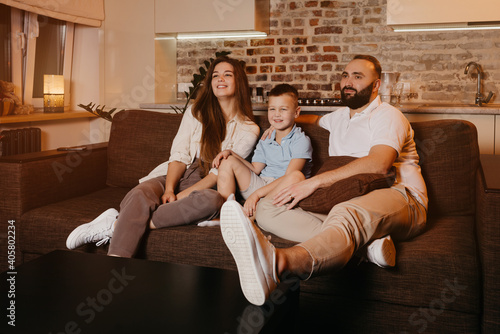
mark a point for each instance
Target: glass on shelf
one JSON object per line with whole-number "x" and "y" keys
{"x": 401, "y": 93}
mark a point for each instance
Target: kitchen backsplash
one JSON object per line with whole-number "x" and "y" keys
{"x": 311, "y": 42}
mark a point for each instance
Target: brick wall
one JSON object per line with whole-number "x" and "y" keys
{"x": 311, "y": 41}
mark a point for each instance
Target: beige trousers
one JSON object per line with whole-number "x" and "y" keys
{"x": 332, "y": 239}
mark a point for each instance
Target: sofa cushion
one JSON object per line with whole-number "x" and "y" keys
{"x": 449, "y": 157}
{"x": 140, "y": 140}
{"x": 188, "y": 244}
{"x": 323, "y": 199}
{"x": 438, "y": 268}
{"x": 47, "y": 228}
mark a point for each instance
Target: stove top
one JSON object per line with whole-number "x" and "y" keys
{"x": 320, "y": 102}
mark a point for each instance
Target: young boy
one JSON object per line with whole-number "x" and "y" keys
{"x": 288, "y": 151}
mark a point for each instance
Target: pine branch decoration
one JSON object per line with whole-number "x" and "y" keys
{"x": 99, "y": 111}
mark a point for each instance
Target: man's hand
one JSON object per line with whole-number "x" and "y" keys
{"x": 168, "y": 197}
{"x": 295, "y": 193}
{"x": 222, "y": 155}
{"x": 251, "y": 204}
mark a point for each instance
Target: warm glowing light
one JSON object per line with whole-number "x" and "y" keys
{"x": 53, "y": 93}
{"x": 228, "y": 34}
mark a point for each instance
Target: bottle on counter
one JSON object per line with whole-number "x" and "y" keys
{"x": 260, "y": 95}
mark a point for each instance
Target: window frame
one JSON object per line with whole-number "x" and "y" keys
{"x": 24, "y": 30}
{"x": 17, "y": 46}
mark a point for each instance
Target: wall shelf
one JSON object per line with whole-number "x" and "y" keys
{"x": 40, "y": 117}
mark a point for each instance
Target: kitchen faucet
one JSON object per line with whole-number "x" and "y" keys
{"x": 479, "y": 97}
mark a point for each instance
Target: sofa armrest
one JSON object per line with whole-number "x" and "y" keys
{"x": 36, "y": 179}
{"x": 488, "y": 235}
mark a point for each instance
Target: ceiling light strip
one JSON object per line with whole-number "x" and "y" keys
{"x": 216, "y": 35}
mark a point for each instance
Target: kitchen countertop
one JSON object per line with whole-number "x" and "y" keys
{"x": 450, "y": 108}
{"x": 412, "y": 108}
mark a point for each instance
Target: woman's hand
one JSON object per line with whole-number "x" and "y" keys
{"x": 168, "y": 197}
{"x": 251, "y": 204}
{"x": 267, "y": 134}
{"x": 295, "y": 193}
{"x": 222, "y": 155}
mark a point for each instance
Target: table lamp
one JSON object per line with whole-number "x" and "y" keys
{"x": 53, "y": 93}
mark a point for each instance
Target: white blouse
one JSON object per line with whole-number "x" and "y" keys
{"x": 241, "y": 136}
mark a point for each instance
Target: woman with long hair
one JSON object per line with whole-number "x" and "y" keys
{"x": 179, "y": 191}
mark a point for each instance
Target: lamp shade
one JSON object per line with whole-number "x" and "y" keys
{"x": 53, "y": 84}
{"x": 53, "y": 93}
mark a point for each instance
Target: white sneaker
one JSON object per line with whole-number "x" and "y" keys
{"x": 382, "y": 252}
{"x": 99, "y": 230}
{"x": 254, "y": 255}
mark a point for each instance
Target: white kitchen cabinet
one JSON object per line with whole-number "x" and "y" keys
{"x": 128, "y": 53}
{"x": 188, "y": 16}
{"x": 450, "y": 12}
{"x": 485, "y": 125}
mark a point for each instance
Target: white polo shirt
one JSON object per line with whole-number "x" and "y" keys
{"x": 379, "y": 124}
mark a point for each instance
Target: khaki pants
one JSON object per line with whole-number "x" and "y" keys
{"x": 143, "y": 203}
{"x": 332, "y": 239}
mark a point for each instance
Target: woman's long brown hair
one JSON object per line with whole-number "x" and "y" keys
{"x": 207, "y": 110}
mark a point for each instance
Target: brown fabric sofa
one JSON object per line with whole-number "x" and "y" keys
{"x": 444, "y": 280}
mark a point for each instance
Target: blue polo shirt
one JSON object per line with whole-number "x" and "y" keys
{"x": 295, "y": 145}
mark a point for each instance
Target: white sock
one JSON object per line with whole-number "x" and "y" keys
{"x": 214, "y": 222}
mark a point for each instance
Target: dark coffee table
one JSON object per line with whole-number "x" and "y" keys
{"x": 73, "y": 292}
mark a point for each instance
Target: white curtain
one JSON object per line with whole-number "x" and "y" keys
{"x": 88, "y": 12}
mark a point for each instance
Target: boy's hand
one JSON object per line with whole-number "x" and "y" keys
{"x": 251, "y": 205}
{"x": 222, "y": 155}
{"x": 267, "y": 134}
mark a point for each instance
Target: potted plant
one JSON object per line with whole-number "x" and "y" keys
{"x": 99, "y": 111}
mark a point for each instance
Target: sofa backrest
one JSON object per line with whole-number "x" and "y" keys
{"x": 318, "y": 136}
{"x": 449, "y": 157}
{"x": 448, "y": 149}
{"x": 139, "y": 141}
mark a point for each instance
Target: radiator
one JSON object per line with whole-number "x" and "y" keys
{"x": 19, "y": 141}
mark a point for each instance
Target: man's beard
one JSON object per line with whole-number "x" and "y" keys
{"x": 359, "y": 99}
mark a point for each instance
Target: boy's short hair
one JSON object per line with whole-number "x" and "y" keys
{"x": 282, "y": 89}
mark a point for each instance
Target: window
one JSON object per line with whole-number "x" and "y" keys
{"x": 5, "y": 56}
{"x": 49, "y": 51}
{"x": 34, "y": 45}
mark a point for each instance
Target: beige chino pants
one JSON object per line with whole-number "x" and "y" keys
{"x": 332, "y": 239}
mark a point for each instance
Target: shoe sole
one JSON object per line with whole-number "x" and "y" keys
{"x": 239, "y": 240}
{"x": 389, "y": 253}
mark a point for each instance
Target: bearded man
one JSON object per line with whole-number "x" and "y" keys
{"x": 381, "y": 138}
